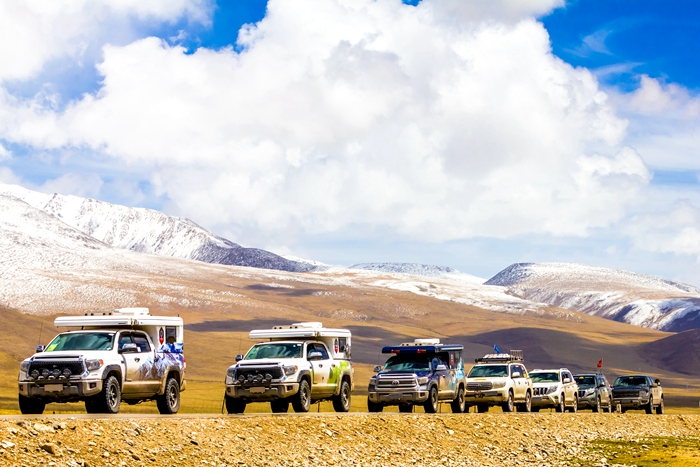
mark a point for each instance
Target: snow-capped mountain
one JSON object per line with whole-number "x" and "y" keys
{"x": 624, "y": 296}
{"x": 149, "y": 231}
{"x": 416, "y": 269}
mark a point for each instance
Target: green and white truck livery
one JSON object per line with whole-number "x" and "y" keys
{"x": 300, "y": 364}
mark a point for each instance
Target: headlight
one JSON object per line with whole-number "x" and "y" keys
{"x": 499, "y": 384}
{"x": 589, "y": 392}
{"x": 373, "y": 380}
{"x": 290, "y": 370}
{"x": 93, "y": 365}
{"x": 231, "y": 371}
{"x": 423, "y": 380}
{"x": 643, "y": 393}
{"x": 551, "y": 389}
{"x": 24, "y": 366}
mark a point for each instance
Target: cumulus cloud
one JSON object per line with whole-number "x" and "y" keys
{"x": 676, "y": 230}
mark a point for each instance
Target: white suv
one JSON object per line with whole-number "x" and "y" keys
{"x": 499, "y": 379}
{"x": 554, "y": 388}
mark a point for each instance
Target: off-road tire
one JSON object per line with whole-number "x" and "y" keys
{"x": 660, "y": 407}
{"x": 432, "y": 404}
{"x": 649, "y": 408}
{"x": 482, "y": 408}
{"x": 374, "y": 406}
{"x": 405, "y": 408}
{"x": 611, "y": 409}
{"x": 596, "y": 407}
{"x": 458, "y": 403}
{"x": 341, "y": 402}
{"x": 234, "y": 405}
{"x": 527, "y": 405}
{"x": 279, "y": 406}
{"x": 561, "y": 407}
{"x": 301, "y": 401}
{"x": 574, "y": 406}
{"x": 30, "y": 406}
{"x": 508, "y": 405}
{"x": 109, "y": 399}
{"x": 169, "y": 402}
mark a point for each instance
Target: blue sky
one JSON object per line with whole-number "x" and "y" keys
{"x": 438, "y": 132}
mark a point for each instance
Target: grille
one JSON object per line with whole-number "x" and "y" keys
{"x": 626, "y": 393}
{"x": 396, "y": 382}
{"x": 253, "y": 372}
{"x": 582, "y": 393}
{"x": 480, "y": 386}
{"x": 76, "y": 366}
{"x": 540, "y": 391}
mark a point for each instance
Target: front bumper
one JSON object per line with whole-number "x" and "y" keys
{"x": 265, "y": 393}
{"x": 627, "y": 403}
{"x": 588, "y": 402}
{"x": 398, "y": 397}
{"x": 545, "y": 400}
{"x": 63, "y": 391}
{"x": 491, "y": 397}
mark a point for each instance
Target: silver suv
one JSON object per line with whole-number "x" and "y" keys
{"x": 554, "y": 388}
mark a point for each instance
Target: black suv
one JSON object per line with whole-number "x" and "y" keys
{"x": 638, "y": 392}
{"x": 594, "y": 392}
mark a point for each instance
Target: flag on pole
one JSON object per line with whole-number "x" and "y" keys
{"x": 600, "y": 363}
{"x": 496, "y": 349}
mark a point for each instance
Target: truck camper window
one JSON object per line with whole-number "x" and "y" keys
{"x": 344, "y": 346}
{"x": 170, "y": 334}
{"x": 141, "y": 342}
{"x": 81, "y": 341}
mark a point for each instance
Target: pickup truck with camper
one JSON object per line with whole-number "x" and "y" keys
{"x": 638, "y": 392}
{"x": 499, "y": 379}
{"x": 123, "y": 355}
{"x": 423, "y": 372}
{"x": 555, "y": 389}
{"x": 594, "y": 392}
{"x": 300, "y": 364}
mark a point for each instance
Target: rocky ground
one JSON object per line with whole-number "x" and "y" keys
{"x": 331, "y": 439}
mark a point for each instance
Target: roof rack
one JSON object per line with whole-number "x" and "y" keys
{"x": 511, "y": 356}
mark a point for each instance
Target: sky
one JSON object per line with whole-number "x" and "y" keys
{"x": 465, "y": 133}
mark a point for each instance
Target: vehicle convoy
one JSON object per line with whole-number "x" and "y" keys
{"x": 125, "y": 354}
{"x": 423, "y": 372}
{"x": 638, "y": 392}
{"x": 594, "y": 392}
{"x": 300, "y": 364}
{"x": 499, "y": 379}
{"x": 554, "y": 389}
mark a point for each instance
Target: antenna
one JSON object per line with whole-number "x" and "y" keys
{"x": 41, "y": 328}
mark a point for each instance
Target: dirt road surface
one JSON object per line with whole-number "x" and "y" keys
{"x": 332, "y": 439}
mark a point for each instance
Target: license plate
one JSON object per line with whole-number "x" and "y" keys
{"x": 53, "y": 388}
{"x": 256, "y": 390}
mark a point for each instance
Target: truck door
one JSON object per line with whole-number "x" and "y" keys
{"x": 152, "y": 371}
{"x": 569, "y": 386}
{"x": 519, "y": 387}
{"x": 132, "y": 361}
{"x": 321, "y": 368}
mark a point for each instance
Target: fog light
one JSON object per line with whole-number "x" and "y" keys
{"x": 35, "y": 374}
{"x": 268, "y": 377}
{"x": 45, "y": 372}
{"x": 67, "y": 372}
{"x": 241, "y": 378}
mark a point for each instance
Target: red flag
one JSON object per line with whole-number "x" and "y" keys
{"x": 600, "y": 363}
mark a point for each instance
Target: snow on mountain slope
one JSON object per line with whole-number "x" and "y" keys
{"x": 416, "y": 269}
{"x": 624, "y": 296}
{"x": 149, "y": 231}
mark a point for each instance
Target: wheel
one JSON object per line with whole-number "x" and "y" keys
{"x": 574, "y": 406}
{"x": 596, "y": 407}
{"x": 301, "y": 401}
{"x": 527, "y": 405}
{"x": 169, "y": 402}
{"x": 109, "y": 399}
{"x": 405, "y": 408}
{"x": 610, "y": 405}
{"x": 660, "y": 407}
{"x": 341, "y": 402}
{"x": 30, "y": 406}
{"x": 279, "y": 406}
{"x": 482, "y": 408}
{"x": 562, "y": 404}
{"x": 458, "y": 402}
{"x": 432, "y": 404}
{"x": 649, "y": 408}
{"x": 509, "y": 406}
{"x": 374, "y": 406}
{"x": 234, "y": 405}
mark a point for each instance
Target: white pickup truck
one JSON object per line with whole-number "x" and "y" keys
{"x": 302, "y": 363}
{"x": 125, "y": 354}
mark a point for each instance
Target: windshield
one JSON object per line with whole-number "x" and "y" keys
{"x": 488, "y": 370}
{"x": 585, "y": 380}
{"x": 544, "y": 377}
{"x": 81, "y": 341}
{"x": 408, "y": 363}
{"x": 275, "y": 350}
{"x": 630, "y": 381}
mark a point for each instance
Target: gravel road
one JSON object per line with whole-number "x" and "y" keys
{"x": 330, "y": 439}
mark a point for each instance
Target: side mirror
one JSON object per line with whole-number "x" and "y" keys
{"x": 516, "y": 374}
{"x": 129, "y": 348}
{"x": 39, "y": 348}
{"x": 441, "y": 367}
{"x": 657, "y": 382}
{"x": 377, "y": 368}
{"x": 313, "y": 355}
{"x": 566, "y": 380}
{"x": 239, "y": 357}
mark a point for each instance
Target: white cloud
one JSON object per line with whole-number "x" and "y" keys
{"x": 675, "y": 230}
{"x": 86, "y": 186}
{"x": 4, "y": 153}
{"x": 8, "y": 176}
